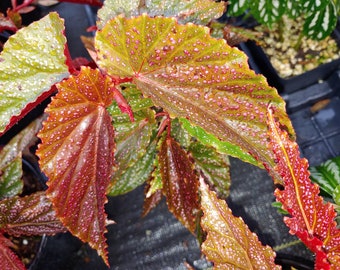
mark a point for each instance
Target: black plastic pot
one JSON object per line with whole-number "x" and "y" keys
{"x": 260, "y": 62}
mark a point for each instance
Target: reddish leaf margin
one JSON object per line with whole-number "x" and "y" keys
{"x": 311, "y": 219}
{"x": 77, "y": 154}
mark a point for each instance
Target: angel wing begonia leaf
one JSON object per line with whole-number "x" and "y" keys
{"x": 229, "y": 243}
{"x": 214, "y": 167}
{"x": 311, "y": 219}
{"x": 29, "y": 215}
{"x": 8, "y": 259}
{"x": 135, "y": 147}
{"x": 192, "y": 75}
{"x": 195, "y": 11}
{"x": 11, "y": 161}
{"x": 180, "y": 183}
{"x": 77, "y": 156}
{"x": 30, "y": 64}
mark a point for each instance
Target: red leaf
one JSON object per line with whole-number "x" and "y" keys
{"x": 311, "y": 219}
{"x": 8, "y": 259}
{"x": 29, "y": 215}
{"x": 180, "y": 183}
{"x": 77, "y": 154}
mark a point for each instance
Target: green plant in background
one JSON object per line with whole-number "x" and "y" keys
{"x": 166, "y": 104}
{"x": 327, "y": 176}
{"x": 319, "y": 17}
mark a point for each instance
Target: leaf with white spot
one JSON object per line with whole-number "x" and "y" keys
{"x": 229, "y": 243}
{"x": 194, "y": 76}
{"x": 214, "y": 167}
{"x": 314, "y": 5}
{"x": 180, "y": 183}
{"x": 195, "y": 11}
{"x": 237, "y": 7}
{"x": 77, "y": 154}
{"x": 310, "y": 219}
{"x": 30, "y": 64}
{"x": 29, "y": 215}
{"x": 320, "y": 23}
{"x": 135, "y": 142}
{"x": 267, "y": 11}
{"x": 11, "y": 183}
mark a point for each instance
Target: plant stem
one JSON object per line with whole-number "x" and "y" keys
{"x": 298, "y": 43}
{"x": 287, "y": 245}
{"x": 281, "y": 29}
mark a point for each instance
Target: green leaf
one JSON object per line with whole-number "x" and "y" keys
{"x": 10, "y": 178}
{"x": 294, "y": 8}
{"x": 222, "y": 147}
{"x": 312, "y": 5}
{"x": 267, "y": 12}
{"x": 320, "y": 23}
{"x": 135, "y": 146}
{"x": 30, "y": 63}
{"x": 229, "y": 243}
{"x": 237, "y": 7}
{"x": 134, "y": 175}
{"x": 195, "y": 11}
{"x": 214, "y": 167}
{"x": 29, "y": 215}
{"x": 192, "y": 75}
{"x": 327, "y": 175}
{"x": 11, "y": 163}
{"x": 77, "y": 154}
{"x": 113, "y": 8}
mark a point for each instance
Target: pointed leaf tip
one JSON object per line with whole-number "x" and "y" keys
{"x": 311, "y": 219}
{"x": 77, "y": 154}
{"x": 229, "y": 243}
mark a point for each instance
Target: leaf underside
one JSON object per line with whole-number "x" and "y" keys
{"x": 77, "y": 154}
{"x": 311, "y": 219}
{"x": 229, "y": 243}
{"x": 30, "y": 64}
{"x": 194, "y": 76}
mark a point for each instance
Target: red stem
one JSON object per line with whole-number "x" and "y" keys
{"x": 24, "y": 4}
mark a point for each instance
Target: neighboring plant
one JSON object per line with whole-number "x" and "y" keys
{"x": 320, "y": 17}
{"x": 327, "y": 176}
{"x": 165, "y": 106}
